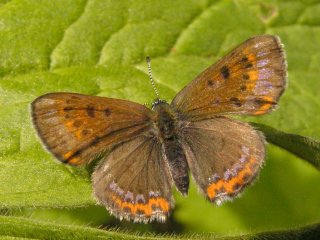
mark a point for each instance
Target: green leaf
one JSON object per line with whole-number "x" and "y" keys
{"x": 98, "y": 47}
{"x": 30, "y": 229}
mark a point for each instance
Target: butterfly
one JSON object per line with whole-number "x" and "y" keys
{"x": 144, "y": 152}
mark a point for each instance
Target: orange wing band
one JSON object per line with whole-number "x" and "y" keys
{"x": 234, "y": 184}
{"x": 139, "y": 208}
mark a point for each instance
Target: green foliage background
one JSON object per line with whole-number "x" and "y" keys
{"x": 98, "y": 47}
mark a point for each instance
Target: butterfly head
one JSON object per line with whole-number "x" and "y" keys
{"x": 157, "y": 102}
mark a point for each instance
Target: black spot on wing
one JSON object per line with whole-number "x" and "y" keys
{"x": 260, "y": 101}
{"x": 248, "y": 65}
{"x": 235, "y": 101}
{"x": 244, "y": 59}
{"x": 107, "y": 112}
{"x": 90, "y": 111}
{"x": 225, "y": 72}
{"x": 246, "y": 77}
{"x": 67, "y": 109}
{"x": 243, "y": 88}
{"x": 85, "y": 132}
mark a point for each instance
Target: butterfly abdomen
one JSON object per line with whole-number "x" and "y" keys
{"x": 166, "y": 123}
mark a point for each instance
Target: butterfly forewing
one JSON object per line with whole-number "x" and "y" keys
{"x": 78, "y": 128}
{"x": 223, "y": 155}
{"x": 133, "y": 181}
{"x": 249, "y": 80}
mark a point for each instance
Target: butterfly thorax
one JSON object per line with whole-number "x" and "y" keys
{"x": 167, "y": 130}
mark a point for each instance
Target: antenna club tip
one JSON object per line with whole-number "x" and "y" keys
{"x": 148, "y": 59}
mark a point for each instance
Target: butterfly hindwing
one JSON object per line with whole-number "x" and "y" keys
{"x": 223, "y": 155}
{"x": 249, "y": 80}
{"x": 78, "y": 128}
{"x": 133, "y": 181}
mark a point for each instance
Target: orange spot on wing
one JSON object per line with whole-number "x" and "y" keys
{"x": 252, "y": 58}
{"x": 79, "y": 134}
{"x": 75, "y": 161}
{"x": 252, "y": 81}
{"x": 253, "y": 75}
{"x": 159, "y": 203}
{"x": 163, "y": 204}
{"x": 68, "y": 124}
{"x": 228, "y": 185}
{"x": 67, "y": 155}
{"x": 71, "y": 128}
{"x": 265, "y": 106}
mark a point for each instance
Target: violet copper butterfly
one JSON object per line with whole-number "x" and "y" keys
{"x": 145, "y": 152}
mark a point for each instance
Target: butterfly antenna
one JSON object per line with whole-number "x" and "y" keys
{"x": 150, "y": 76}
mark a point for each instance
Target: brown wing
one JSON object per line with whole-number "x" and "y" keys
{"x": 133, "y": 181}
{"x": 249, "y": 80}
{"x": 224, "y": 156}
{"x": 78, "y": 128}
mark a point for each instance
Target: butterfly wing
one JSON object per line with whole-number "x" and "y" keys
{"x": 224, "y": 156}
{"x": 133, "y": 181}
{"x": 249, "y": 80}
{"x": 78, "y": 128}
